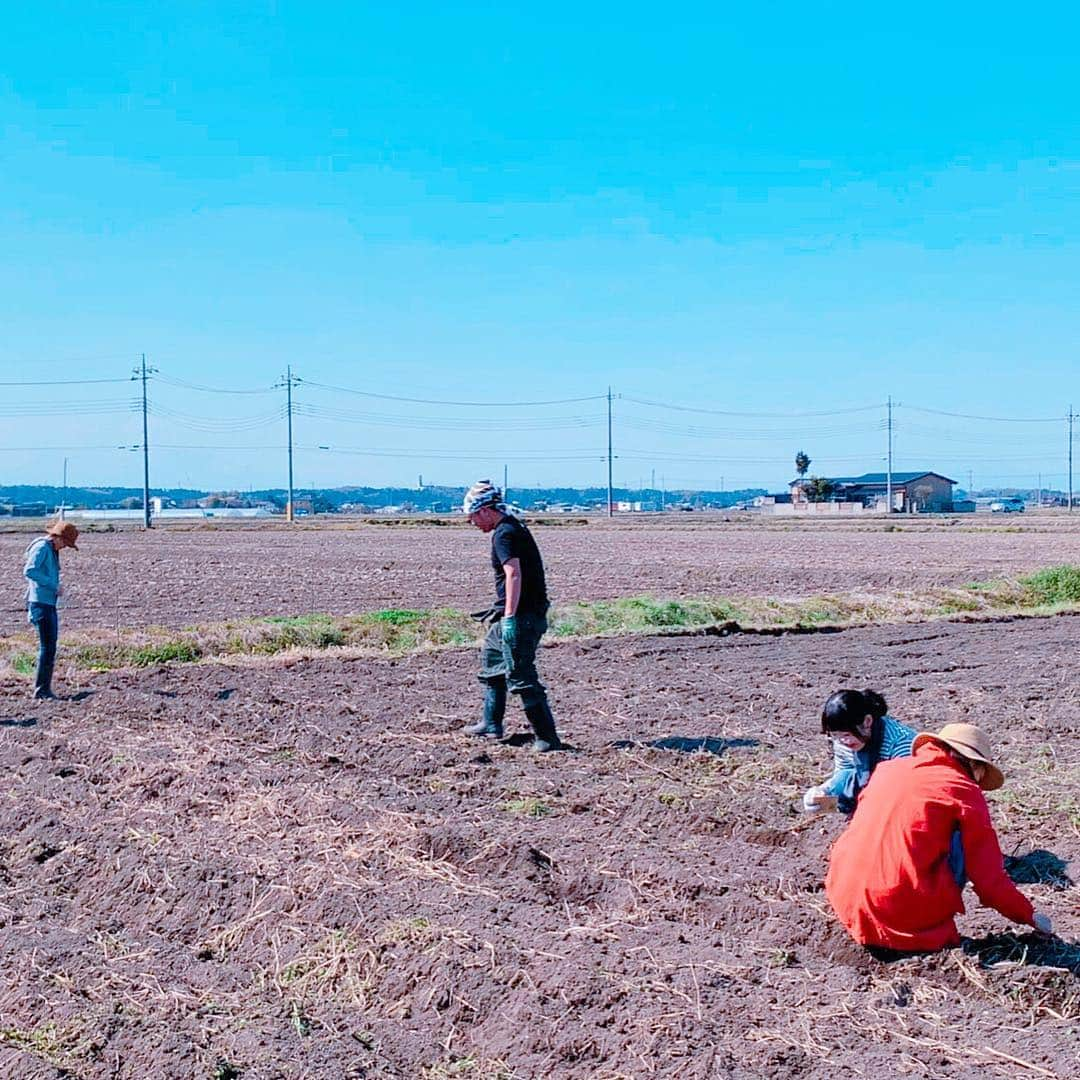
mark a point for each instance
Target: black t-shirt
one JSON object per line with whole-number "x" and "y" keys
{"x": 510, "y": 539}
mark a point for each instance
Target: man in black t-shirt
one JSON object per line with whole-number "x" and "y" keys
{"x": 518, "y": 620}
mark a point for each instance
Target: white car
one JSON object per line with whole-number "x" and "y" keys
{"x": 1007, "y": 506}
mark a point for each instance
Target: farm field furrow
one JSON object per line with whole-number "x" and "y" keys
{"x": 301, "y": 868}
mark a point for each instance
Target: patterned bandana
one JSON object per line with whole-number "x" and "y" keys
{"x": 483, "y": 493}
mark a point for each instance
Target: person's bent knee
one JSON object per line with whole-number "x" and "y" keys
{"x": 531, "y": 695}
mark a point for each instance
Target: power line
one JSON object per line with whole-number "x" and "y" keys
{"x": 34, "y": 449}
{"x": 64, "y": 408}
{"x": 442, "y": 454}
{"x": 462, "y": 404}
{"x": 217, "y": 425}
{"x": 66, "y": 382}
{"x": 551, "y": 423}
{"x": 994, "y": 419}
{"x": 727, "y": 412}
{"x": 171, "y": 381}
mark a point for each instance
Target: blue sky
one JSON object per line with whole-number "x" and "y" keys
{"x": 798, "y": 208}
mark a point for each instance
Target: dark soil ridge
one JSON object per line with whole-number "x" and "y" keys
{"x": 305, "y": 870}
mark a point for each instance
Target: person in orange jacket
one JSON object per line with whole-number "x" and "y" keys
{"x": 920, "y": 831}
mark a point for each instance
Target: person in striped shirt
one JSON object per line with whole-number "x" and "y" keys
{"x": 863, "y": 734}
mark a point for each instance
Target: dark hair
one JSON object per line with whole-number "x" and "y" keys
{"x": 847, "y": 709}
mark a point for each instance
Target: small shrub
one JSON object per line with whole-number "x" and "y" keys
{"x": 1054, "y": 585}
{"x": 397, "y": 616}
{"x": 313, "y": 631}
{"x": 183, "y": 652}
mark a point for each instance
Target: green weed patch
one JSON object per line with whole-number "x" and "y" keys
{"x": 1054, "y": 585}
{"x": 398, "y": 631}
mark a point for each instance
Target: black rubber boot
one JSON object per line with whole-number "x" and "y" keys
{"x": 546, "y": 738}
{"x": 43, "y": 683}
{"x": 490, "y": 726}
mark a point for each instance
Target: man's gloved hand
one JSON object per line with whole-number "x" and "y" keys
{"x": 510, "y": 631}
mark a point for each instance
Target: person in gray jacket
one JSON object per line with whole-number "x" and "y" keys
{"x": 42, "y": 572}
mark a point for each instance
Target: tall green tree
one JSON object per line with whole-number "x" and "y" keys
{"x": 819, "y": 489}
{"x": 802, "y": 463}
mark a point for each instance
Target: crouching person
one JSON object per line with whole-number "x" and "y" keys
{"x": 517, "y": 621}
{"x": 920, "y": 832}
{"x": 863, "y": 735}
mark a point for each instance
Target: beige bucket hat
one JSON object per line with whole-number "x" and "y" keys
{"x": 65, "y": 531}
{"x": 970, "y": 741}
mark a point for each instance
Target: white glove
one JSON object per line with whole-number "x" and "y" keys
{"x": 1042, "y": 923}
{"x": 810, "y": 799}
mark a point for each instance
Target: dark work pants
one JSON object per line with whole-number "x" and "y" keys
{"x": 516, "y": 668}
{"x": 47, "y": 624}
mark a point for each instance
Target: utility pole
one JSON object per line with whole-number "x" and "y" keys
{"x": 1072, "y": 417}
{"x": 888, "y": 474}
{"x": 505, "y": 478}
{"x": 142, "y": 372}
{"x": 971, "y": 482}
{"x": 63, "y": 492}
{"x": 1038, "y": 500}
{"x": 610, "y": 493}
{"x": 290, "y": 382}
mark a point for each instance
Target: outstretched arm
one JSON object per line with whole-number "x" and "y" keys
{"x": 986, "y": 867}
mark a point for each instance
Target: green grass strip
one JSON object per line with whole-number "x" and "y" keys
{"x": 397, "y": 631}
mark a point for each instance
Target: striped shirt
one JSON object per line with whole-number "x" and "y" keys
{"x": 896, "y": 740}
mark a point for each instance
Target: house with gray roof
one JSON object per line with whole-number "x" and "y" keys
{"x": 923, "y": 492}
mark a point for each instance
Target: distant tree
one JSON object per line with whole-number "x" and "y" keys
{"x": 802, "y": 463}
{"x": 819, "y": 489}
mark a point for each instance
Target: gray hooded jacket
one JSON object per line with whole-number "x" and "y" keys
{"x": 42, "y": 571}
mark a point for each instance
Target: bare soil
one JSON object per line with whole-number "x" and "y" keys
{"x": 302, "y": 869}
{"x": 176, "y": 577}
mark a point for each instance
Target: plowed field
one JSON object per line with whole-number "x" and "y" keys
{"x": 174, "y": 577}
{"x": 302, "y": 869}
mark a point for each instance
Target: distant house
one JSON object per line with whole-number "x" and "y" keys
{"x": 912, "y": 492}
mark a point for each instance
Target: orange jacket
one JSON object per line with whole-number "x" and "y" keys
{"x": 889, "y": 880}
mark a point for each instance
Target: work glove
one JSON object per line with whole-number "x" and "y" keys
{"x": 510, "y": 632}
{"x": 812, "y": 800}
{"x": 1042, "y": 923}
